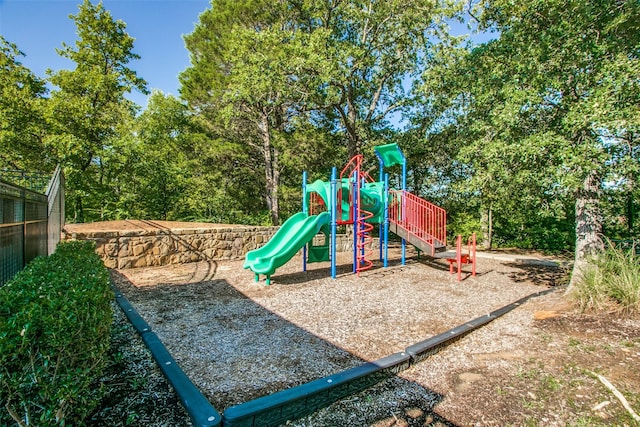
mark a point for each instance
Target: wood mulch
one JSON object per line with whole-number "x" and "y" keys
{"x": 238, "y": 339}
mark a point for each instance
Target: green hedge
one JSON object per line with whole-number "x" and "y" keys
{"x": 55, "y": 327}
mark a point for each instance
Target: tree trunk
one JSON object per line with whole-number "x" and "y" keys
{"x": 272, "y": 174}
{"x": 630, "y": 214}
{"x": 350, "y": 122}
{"x": 79, "y": 210}
{"x": 354, "y": 139}
{"x": 630, "y": 139}
{"x": 588, "y": 226}
{"x": 486, "y": 226}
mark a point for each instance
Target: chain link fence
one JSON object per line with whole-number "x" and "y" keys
{"x": 30, "y": 219}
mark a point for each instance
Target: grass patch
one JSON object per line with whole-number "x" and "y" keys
{"x": 611, "y": 282}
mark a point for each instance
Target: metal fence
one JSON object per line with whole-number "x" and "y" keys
{"x": 30, "y": 223}
{"x": 55, "y": 209}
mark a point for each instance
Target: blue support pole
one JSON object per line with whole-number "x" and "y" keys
{"x": 386, "y": 221}
{"x": 305, "y": 209}
{"x": 362, "y": 236}
{"x": 404, "y": 188}
{"x": 380, "y": 226}
{"x": 354, "y": 188}
{"x": 404, "y": 251}
{"x": 380, "y": 231}
{"x": 404, "y": 174}
{"x": 305, "y": 204}
{"x": 334, "y": 220}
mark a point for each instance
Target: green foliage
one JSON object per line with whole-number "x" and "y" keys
{"x": 158, "y": 168}
{"x": 246, "y": 84}
{"x": 22, "y": 128}
{"x": 372, "y": 49}
{"x": 267, "y": 76}
{"x": 55, "y": 326}
{"x": 538, "y": 119}
{"x": 561, "y": 57}
{"x": 547, "y": 234}
{"x": 620, "y": 211}
{"x": 529, "y": 126}
{"x": 464, "y": 224}
{"x": 610, "y": 281}
{"x": 89, "y": 115}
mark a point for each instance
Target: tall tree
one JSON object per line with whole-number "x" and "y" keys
{"x": 500, "y": 158}
{"x": 22, "y": 128}
{"x": 245, "y": 80}
{"x": 584, "y": 54}
{"x": 166, "y": 159}
{"x": 262, "y": 69}
{"x": 563, "y": 78}
{"x": 373, "y": 50}
{"x": 88, "y": 109}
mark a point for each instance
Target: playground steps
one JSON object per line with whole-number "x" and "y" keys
{"x": 426, "y": 243}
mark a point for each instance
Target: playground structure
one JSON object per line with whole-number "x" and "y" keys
{"x": 354, "y": 198}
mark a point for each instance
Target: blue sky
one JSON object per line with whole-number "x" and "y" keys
{"x": 38, "y": 27}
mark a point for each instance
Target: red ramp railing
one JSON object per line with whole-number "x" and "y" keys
{"x": 419, "y": 218}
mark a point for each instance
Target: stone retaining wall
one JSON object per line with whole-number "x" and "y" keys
{"x": 147, "y": 248}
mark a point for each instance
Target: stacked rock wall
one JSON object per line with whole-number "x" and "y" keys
{"x": 147, "y": 248}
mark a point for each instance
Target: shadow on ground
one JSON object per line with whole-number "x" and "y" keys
{"x": 539, "y": 275}
{"x": 235, "y": 350}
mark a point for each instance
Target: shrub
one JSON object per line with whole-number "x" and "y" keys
{"x": 55, "y": 327}
{"x": 611, "y": 280}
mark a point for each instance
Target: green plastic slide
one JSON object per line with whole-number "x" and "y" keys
{"x": 289, "y": 239}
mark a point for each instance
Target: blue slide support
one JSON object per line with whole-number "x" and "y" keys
{"x": 355, "y": 219}
{"x": 305, "y": 209}
{"x": 334, "y": 220}
{"x": 386, "y": 222}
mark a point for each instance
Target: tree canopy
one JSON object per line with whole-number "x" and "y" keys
{"x": 22, "y": 96}
{"x": 543, "y": 115}
{"x": 87, "y": 110}
{"x": 264, "y": 73}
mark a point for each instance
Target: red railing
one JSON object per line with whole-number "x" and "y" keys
{"x": 418, "y": 217}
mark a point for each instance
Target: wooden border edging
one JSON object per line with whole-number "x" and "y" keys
{"x": 295, "y": 402}
{"x": 200, "y": 410}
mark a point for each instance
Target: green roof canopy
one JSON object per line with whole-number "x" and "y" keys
{"x": 390, "y": 154}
